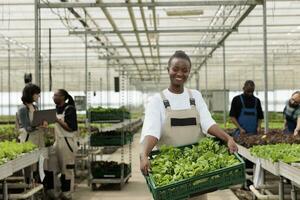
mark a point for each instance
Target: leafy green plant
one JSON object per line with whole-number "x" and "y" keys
{"x": 175, "y": 164}
{"x": 10, "y": 150}
{"x": 288, "y": 153}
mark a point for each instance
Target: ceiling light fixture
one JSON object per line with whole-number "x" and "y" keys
{"x": 184, "y": 12}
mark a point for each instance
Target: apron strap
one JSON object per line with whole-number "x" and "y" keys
{"x": 66, "y": 139}
{"x": 242, "y": 101}
{"x": 165, "y": 100}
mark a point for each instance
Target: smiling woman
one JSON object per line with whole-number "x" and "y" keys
{"x": 179, "y": 67}
{"x": 177, "y": 116}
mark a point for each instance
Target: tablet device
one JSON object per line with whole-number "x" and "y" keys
{"x": 43, "y": 115}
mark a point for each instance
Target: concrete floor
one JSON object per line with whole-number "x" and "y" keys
{"x": 137, "y": 188}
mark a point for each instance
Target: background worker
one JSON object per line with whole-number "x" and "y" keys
{"x": 65, "y": 140}
{"x": 246, "y": 112}
{"x": 291, "y": 114}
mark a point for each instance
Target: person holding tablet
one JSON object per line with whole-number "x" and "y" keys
{"x": 28, "y": 132}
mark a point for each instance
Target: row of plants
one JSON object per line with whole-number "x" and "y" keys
{"x": 10, "y": 150}
{"x": 288, "y": 153}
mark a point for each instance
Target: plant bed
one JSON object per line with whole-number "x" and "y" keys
{"x": 275, "y": 136}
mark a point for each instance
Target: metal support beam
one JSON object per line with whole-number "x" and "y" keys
{"x": 197, "y": 80}
{"x": 2, "y": 90}
{"x": 50, "y": 64}
{"x": 8, "y": 74}
{"x": 36, "y": 44}
{"x": 265, "y": 64}
{"x": 236, "y": 24}
{"x": 142, "y": 57}
{"x": 155, "y": 4}
{"x": 100, "y": 93}
{"x": 86, "y": 71}
{"x": 114, "y": 26}
{"x": 224, "y": 87}
{"x": 151, "y": 46}
{"x": 206, "y": 81}
{"x": 134, "y": 25}
{"x": 202, "y": 30}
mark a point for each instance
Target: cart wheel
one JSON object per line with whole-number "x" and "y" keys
{"x": 94, "y": 186}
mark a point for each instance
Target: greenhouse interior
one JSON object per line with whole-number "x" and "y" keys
{"x": 150, "y": 99}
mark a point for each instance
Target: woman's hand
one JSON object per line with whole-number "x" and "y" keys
{"x": 232, "y": 145}
{"x": 296, "y": 131}
{"x": 144, "y": 164}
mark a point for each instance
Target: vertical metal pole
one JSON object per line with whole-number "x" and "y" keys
{"x": 294, "y": 192}
{"x": 224, "y": 87}
{"x": 4, "y": 190}
{"x": 42, "y": 101}
{"x": 197, "y": 80}
{"x": 64, "y": 77}
{"x": 100, "y": 94}
{"x": 281, "y": 188}
{"x": 107, "y": 80}
{"x": 274, "y": 85}
{"x": 50, "y": 64}
{"x": 265, "y": 64}
{"x": 36, "y": 42}
{"x": 86, "y": 69}
{"x": 206, "y": 80}
{"x": 9, "y": 103}
{"x": 2, "y": 92}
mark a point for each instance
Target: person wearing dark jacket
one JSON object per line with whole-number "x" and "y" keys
{"x": 246, "y": 112}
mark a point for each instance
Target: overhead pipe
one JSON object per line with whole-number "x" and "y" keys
{"x": 146, "y": 29}
{"x": 115, "y": 28}
{"x": 133, "y": 22}
{"x": 157, "y": 38}
{"x": 152, "y": 4}
{"x": 236, "y": 24}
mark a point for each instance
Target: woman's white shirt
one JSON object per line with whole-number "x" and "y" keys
{"x": 155, "y": 111}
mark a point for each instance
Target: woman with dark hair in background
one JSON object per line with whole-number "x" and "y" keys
{"x": 30, "y": 95}
{"x": 65, "y": 140}
{"x": 24, "y": 117}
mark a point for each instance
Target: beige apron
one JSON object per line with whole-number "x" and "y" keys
{"x": 181, "y": 127}
{"x": 65, "y": 147}
{"x": 36, "y": 137}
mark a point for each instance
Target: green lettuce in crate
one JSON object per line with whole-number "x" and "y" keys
{"x": 174, "y": 164}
